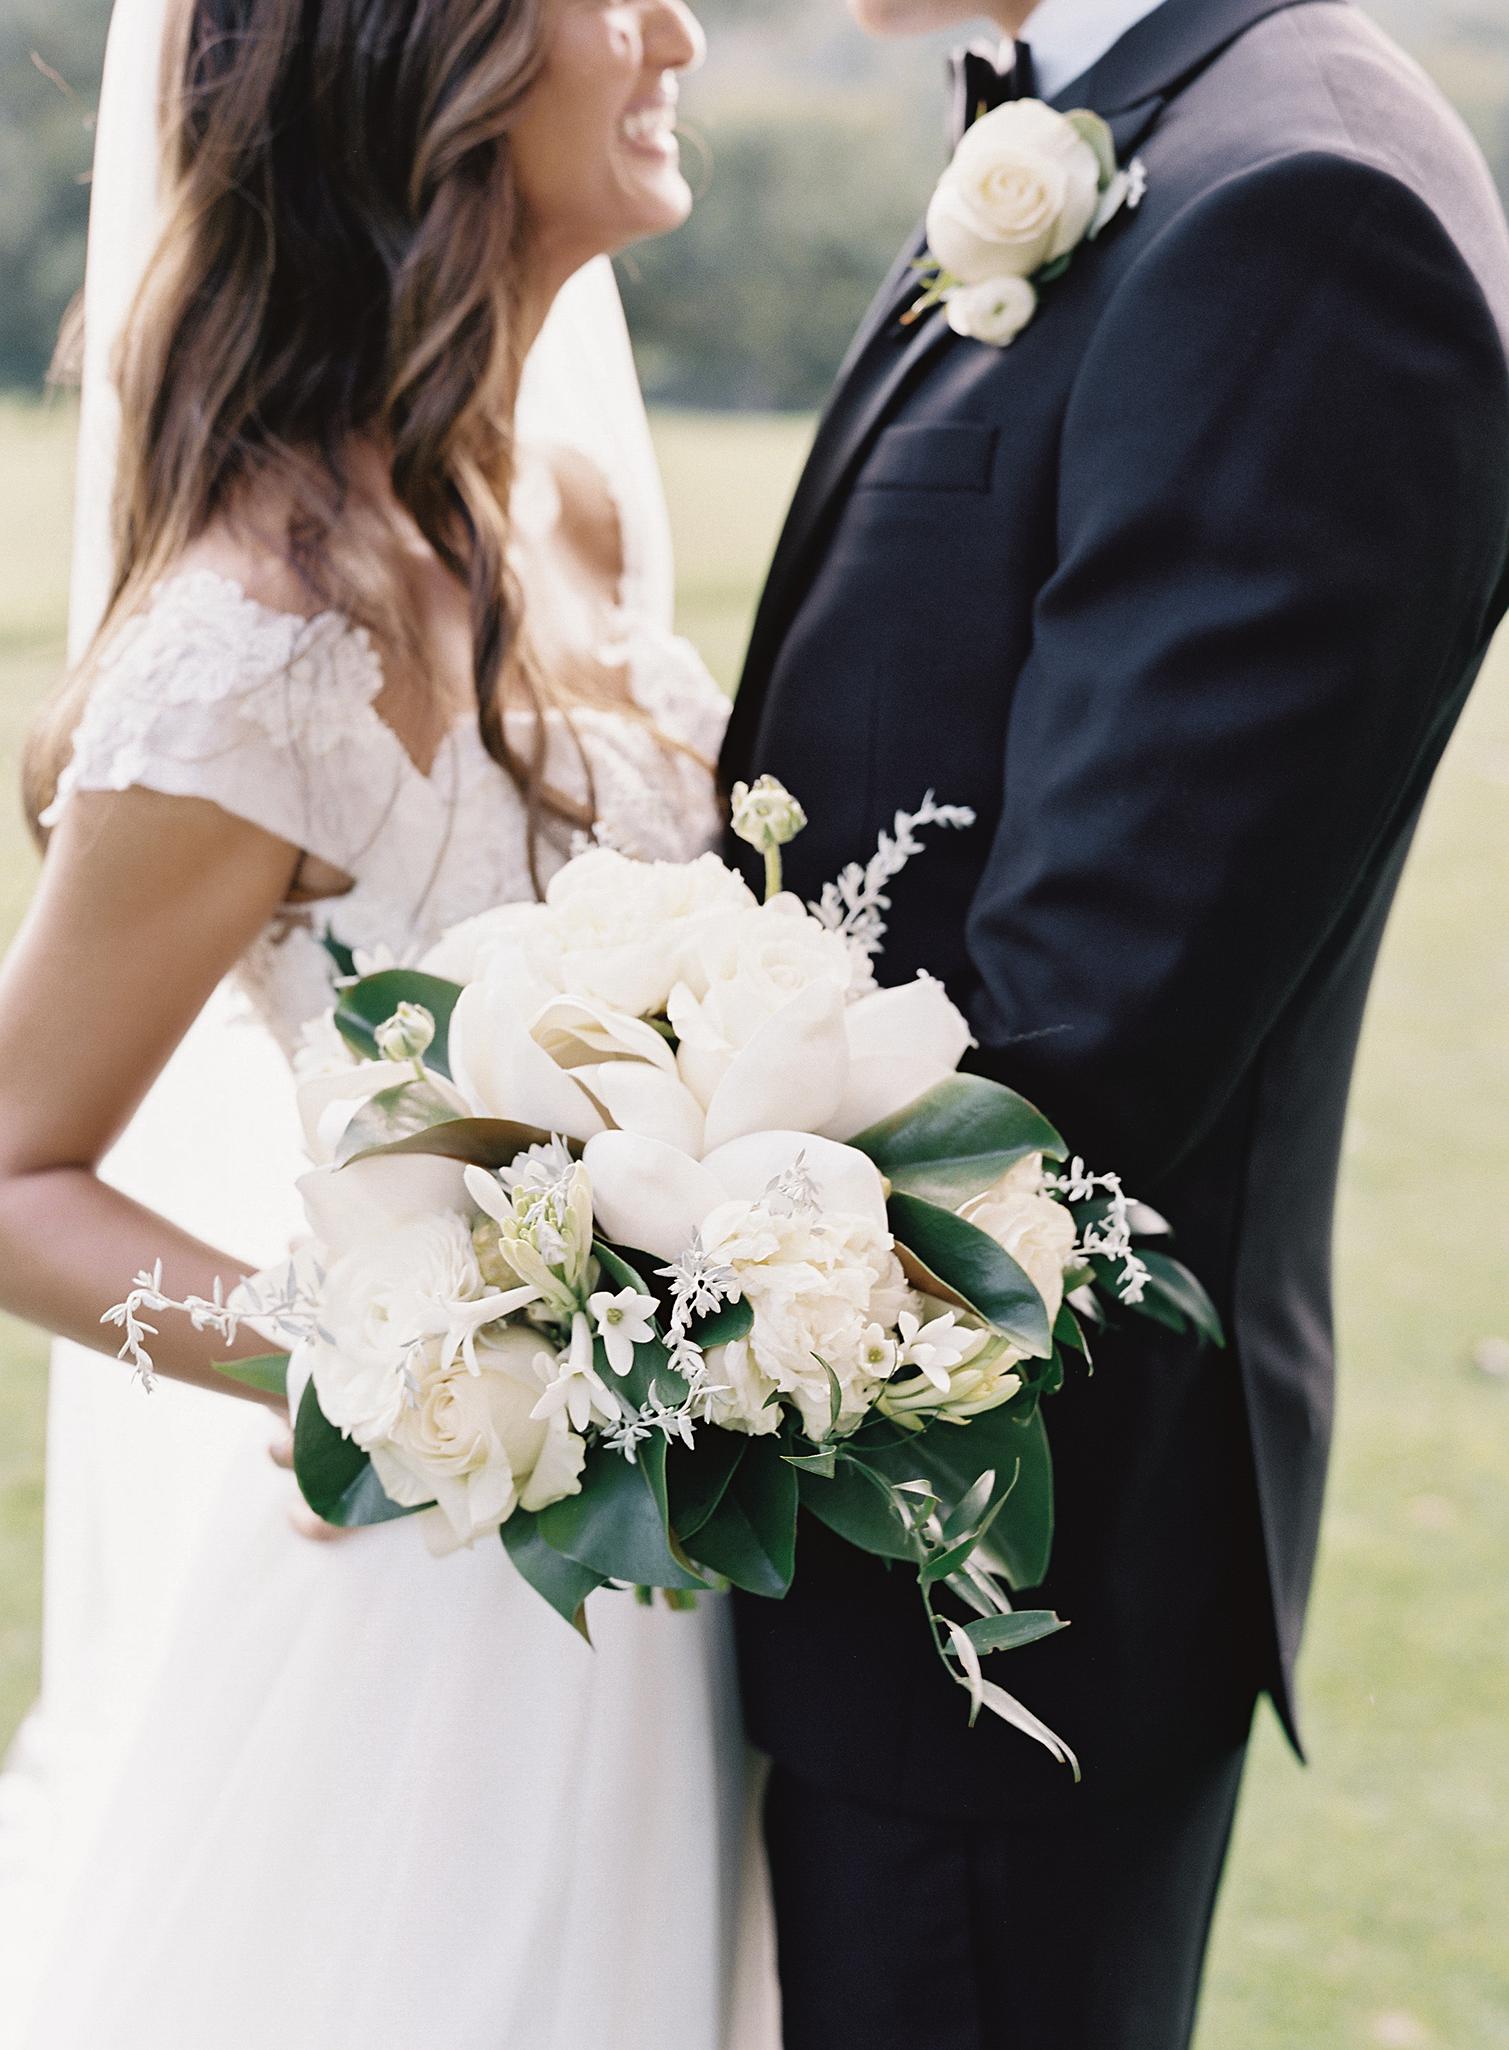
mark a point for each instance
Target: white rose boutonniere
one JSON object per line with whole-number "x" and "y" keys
{"x": 1026, "y": 187}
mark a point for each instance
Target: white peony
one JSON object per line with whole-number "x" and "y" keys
{"x": 470, "y": 1441}
{"x": 1023, "y": 1219}
{"x": 818, "y": 1284}
{"x": 1022, "y": 190}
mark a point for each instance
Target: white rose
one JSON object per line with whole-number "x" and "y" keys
{"x": 1022, "y": 190}
{"x": 1028, "y": 1224}
{"x": 994, "y": 311}
{"x": 760, "y": 1021}
{"x": 818, "y": 1283}
{"x": 382, "y": 1296}
{"x": 470, "y": 1442}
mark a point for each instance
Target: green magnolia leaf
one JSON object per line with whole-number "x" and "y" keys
{"x": 1010, "y": 1633}
{"x": 1175, "y": 1297}
{"x": 339, "y": 952}
{"x": 480, "y": 1142}
{"x": 750, "y": 1538}
{"x": 855, "y": 1503}
{"x": 970, "y": 1263}
{"x": 371, "y": 1002}
{"x": 1052, "y": 272}
{"x": 397, "y": 1113}
{"x": 697, "y": 1478}
{"x": 336, "y": 1477}
{"x": 617, "y": 1524}
{"x": 1067, "y": 1331}
{"x": 564, "y": 1583}
{"x": 1096, "y": 131}
{"x": 267, "y": 1372}
{"x": 958, "y": 1138}
{"x": 723, "y": 1325}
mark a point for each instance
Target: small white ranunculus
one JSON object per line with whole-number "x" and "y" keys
{"x": 1025, "y": 1221}
{"x": 1022, "y": 191}
{"x": 470, "y": 1441}
{"x": 764, "y": 814}
{"x": 994, "y": 311}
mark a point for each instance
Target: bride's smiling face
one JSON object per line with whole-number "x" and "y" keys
{"x": 593, "y": 147}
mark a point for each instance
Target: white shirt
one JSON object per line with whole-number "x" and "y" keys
{"x": 1068, "y": 36}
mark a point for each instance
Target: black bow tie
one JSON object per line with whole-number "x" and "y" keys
{"x": 979, "y": 84}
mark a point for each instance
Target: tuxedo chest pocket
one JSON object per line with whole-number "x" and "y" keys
{"x": 930, "y": 459}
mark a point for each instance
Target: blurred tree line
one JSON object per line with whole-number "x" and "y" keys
{"x": 813, "y": 151}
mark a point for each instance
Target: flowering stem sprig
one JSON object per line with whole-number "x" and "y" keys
{"x": 1109, "y": 1236}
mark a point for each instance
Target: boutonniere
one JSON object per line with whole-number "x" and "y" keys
{"x": 1026, "y": 187}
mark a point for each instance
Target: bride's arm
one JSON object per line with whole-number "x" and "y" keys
{"x": 145, "y": 902}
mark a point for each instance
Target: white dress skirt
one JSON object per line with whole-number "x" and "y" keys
{"x": 349, "y": 1796}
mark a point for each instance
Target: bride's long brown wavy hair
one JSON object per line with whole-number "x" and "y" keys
{"x": 340, "y": 262}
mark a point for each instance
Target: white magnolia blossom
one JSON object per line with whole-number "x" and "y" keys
{"x": 470, "y": 1442}
{"x": 1026, "y": 1222}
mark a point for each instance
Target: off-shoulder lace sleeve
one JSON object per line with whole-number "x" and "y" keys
{"x": 209, "y": 694}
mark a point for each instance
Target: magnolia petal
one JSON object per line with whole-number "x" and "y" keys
{"x": 646, "y": 1194}
{"x": 347, "y": 1206}
{"x": 848, "y": 1183}
{"x": 503, "y": 1073}
{"x": 575, "y": 1030}
{"x": 901, "y": 1042}
{"x": 328, "y": 1103}
{"x": 642, "y": 1099}
{"x": 791, "y": 1072}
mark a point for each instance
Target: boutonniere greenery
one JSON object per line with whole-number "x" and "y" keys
{"x": 1027, "y": 186}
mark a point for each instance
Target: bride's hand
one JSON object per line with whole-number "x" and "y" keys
{"x": 303, "y": 1518}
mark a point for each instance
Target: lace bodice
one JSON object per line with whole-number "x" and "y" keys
{"x": 210, "y": 694}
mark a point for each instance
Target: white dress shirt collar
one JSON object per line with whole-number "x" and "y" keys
{"x": 1068, "y": 36}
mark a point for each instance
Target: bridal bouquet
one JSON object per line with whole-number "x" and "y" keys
{"x": 642, "y": 1217}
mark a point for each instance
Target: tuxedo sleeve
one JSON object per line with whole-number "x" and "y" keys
{"x": 1281, "y": 524}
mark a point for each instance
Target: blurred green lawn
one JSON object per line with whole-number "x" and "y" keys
{"x": 1365, "y": 1904}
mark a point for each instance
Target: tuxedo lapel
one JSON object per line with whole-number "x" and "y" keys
{"x": 1130, "y": 87}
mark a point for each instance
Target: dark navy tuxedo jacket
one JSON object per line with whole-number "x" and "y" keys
{"x": 1182, "y": 592}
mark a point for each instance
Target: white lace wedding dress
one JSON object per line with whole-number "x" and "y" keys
{"x": 348, "y": 1795}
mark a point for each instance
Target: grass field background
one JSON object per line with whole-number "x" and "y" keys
{"x": 1365, "y": 1908}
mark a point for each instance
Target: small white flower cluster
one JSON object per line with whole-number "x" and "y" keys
{"x": 1110, "y": 1237}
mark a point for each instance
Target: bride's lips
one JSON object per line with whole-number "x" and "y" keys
{"x": 649, "y": 127}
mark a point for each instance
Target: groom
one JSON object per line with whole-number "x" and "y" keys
{"x": 1182, "y": 591}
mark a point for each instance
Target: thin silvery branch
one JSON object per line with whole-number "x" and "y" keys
{"x": 289, "y": 1310}
{"x": 855, "y": 905}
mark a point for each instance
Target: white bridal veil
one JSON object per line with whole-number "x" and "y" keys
{"x": 131, "y": 1480}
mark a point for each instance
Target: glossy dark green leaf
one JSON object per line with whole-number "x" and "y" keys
{"x": 480, "y": 1142}
{"x": 617, "y": 1524}
{"x": 1067, "y": 1331}
{"x": 1175, "y": 1296}
{"x": 851, "y": 1505}
{"x": 958, "y": 1138}
{"x": 970, "y": 1263}
{"x": 750, "y": 1538}
{"x": 1013, "y": 1442}
{"x": 698, "y": 1476}
{"x": 339, "y": 952}
{"x": 397, "y": 1113}
{"x": 268, "y": 1372}
{"x": 335, "y": 1477}
{"x": 824, "y": 1463}
{"x": 723, "y": 1325}
{"x": 564, "y": 1583}
{"x": 1010, "y": 1633}
{"x": 371, "y": 1002}
{"x": 652, "y": 1373}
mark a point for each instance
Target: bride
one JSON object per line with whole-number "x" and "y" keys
{"x": 368, "y": 661}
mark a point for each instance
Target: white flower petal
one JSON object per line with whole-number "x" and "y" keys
{"x": 790, "y": 1073}
{"x": 643, "y": 1099}
{"x": 648, "y": 1195}
{"x": 503, "y": 1073}
{"x": 901, "y": 1042}
{"x": 848, "y": 1183}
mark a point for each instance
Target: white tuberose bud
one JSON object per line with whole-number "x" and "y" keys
{"x": 407, "y": 1034}
{"x": 765, "y": 814}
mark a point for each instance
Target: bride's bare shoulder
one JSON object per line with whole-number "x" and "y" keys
{"x": 590, "y": 525}
{"x": 262, "y": 572}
